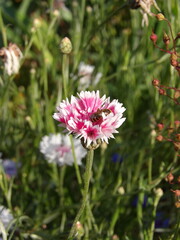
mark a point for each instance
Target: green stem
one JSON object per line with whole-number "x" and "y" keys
{"x": 65, "y": 72}
{"x": 87, "y": 177}
{"x": 3, "y": 30}
{"x": 152, "y": 226}
{"x": 75, "y": 162}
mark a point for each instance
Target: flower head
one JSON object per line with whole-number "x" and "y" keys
{"x": 5, "y": 216}
{"x": 90, "y": 117}
{"x": 10, "y": 167}
{"x": 12, "y": 56}
{"x": 57, "y": 149}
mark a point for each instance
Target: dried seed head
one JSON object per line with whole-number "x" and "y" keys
{"x": 66, "y": 46}
{"x": 176, "y": 146}
{"x": 166, "y": 39}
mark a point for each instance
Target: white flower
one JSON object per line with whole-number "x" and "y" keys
{"x": 57, "y": 149}
{"x": 5, "y": 216}
{"x": 12, "y": 56}
{"x": 85, "y": 75}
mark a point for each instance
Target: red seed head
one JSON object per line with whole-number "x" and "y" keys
{"x": 162, "y": 91}
{"x": 155, "y": 82}
{"x": 159, "y": 138}
{"x": 176, "y": 192}
{"x": 170, "y": 178}
{"x": 153, "y": 37}
{"x": 160, "y": 126}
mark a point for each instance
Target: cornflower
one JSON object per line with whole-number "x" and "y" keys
{"x": 5, "y": 216}
{"x": 92, "y": 119}
{"x": 57, "y": 149}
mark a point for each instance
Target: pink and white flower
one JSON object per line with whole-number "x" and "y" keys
{"x": 57, "y": 149}
{"x": 90, "y": 117}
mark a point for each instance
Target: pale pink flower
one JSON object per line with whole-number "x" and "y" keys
{"x": 90, "y": 117}
{"x": 57, "y": 149}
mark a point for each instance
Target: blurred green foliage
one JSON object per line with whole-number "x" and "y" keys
{"x": 108, "y": 35}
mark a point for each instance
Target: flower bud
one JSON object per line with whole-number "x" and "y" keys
{"x": 121, "y": 190}
{"x": 169, "y": 178}
{"x": 177, "y": 204}
{"x": 176, "y": 192}
{"x": 56, "y": 13}
{"x": 176, "y": 146}
{"x": 115, "y": 237}
{"x": 65, "y": 46}
{"x": 79, "y": 230}
{"x": 176, "y": 94}
{"x": 37, "y": 22}
{"x": 166, "y": 39}
{"x": 160, "y": 17}
{"x": 158, "y": 192}
{"x": 162, "y": 91}
{"x": 159, "y": 138}
{"x": 160, "y": 126}
{"x": 153, "y": 37}
{"x": 155, "y": 82}
{"x": 177, "y": 124}
{"x": 92, "y": 146}
{"x": 174, "y": 63}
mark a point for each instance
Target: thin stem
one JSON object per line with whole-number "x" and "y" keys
{"x": 170, "y": 28}
{"x": 152, "y": 226}
{"x": 3, "y": 30}
{"x": 75, "y": 162}
{"x": 87, "y": 177}
{"x": 65, "y": 72}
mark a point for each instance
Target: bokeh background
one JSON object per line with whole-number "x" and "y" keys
{"x": 43, "y": 197}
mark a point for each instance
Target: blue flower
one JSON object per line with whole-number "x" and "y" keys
{"x": 10, "y": 167}
{"x": 116, "y": 157}
{"x": 161, "y": 221}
